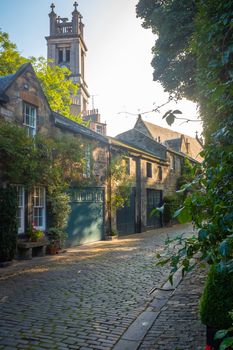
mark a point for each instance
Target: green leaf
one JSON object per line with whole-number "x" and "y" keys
{"x": 170, "y": 119}
{"x": 156, "y": 211}
{"x": 220, "y": 334}
{"x": 202, "y": 235}
{"x": 166, "y": 114}
{"x": 177, "y": 111}
{"x": 226, "y": 343}
{"x": 224, "y": 248}
{"x": 183, "y": 215}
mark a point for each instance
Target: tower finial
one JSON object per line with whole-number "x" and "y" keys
{"x": 75, "y": 6}
{"x": 52, "y": 7}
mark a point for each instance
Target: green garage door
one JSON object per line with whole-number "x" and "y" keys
{"x": 86, "y": 220}
{"x": 125, "y": 217}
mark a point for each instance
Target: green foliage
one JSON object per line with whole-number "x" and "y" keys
{"x": 8, "y": 223}
{"x": 10, "y": 58}
{"x": 174, "y": 62}
{"x": 59, "y": 208}
{"x": 34, "y": 234}
{"x": 226, "y": 335}
{"x": 120, "y": 182}
{"x": 217, "y": 301}
{"x": 57, "y": 237}
{"x": 171, "y": 204}
{"x": 212, "y": 44}
{"x": 52, "y": 162}
{"x": 55, "y": 82}
{"x": 57, "y": 86}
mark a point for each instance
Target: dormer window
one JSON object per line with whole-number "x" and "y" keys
{"x": 29, "y": 118}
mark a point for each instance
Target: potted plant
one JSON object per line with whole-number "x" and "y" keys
{"x": 57, "y": 239}
{"x": 34, "y": 235}
{"x": 216, "y": 303}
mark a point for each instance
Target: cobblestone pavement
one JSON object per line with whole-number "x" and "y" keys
{"x": 178, "y": 326}
{"x": 83, "y": 299}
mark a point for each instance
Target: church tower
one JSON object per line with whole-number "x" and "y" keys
{"x": 67, "y": 48}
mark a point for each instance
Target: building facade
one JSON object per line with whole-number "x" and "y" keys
{"x": 153, "y": 167}
{"x": 22, "y": 102}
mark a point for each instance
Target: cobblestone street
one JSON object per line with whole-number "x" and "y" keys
{"x": 87, "y": 297}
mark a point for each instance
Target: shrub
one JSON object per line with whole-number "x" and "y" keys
{"x": 217, "y": 301}
{"x": 8, "y": 223}
{"x": 57, "y": 237}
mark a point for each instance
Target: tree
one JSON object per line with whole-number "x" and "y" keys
{"x": 55, "y": 82}
{"x": 174, "y": 62}
{"x": 10, "y": 58}
{"x": 57, "y": 86}
{"x": 207, "y": 37}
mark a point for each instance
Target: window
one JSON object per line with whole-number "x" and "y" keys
{"x": 148, "y": 169}
{"x": 21, "y": 209}
{"x": 39, "y": 207}
{"x": 67, "y": 55}
{"x": 60, "y": 56}
{"x": 29, "y": 118}
{"x": 160, "y": 173}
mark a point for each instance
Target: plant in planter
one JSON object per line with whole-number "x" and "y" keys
{"x": 34, "y": 235}
{"x": 216, "y": 303}
{"x": 57, "y": 238}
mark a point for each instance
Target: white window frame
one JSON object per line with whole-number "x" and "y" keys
{"x": 21, "y": 209}
{"x": 29, "y": 119}
{"x": 40, "y": 205}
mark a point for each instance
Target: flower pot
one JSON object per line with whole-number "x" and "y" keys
{"x": 52, "y": 250}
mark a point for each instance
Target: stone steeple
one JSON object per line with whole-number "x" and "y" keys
{"x": 66, "y": 47}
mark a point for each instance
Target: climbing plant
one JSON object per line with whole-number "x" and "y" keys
{"x": 55, "y": 163}
{"x": 120, "y": 181}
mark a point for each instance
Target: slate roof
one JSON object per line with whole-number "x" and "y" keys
{"x": 7, "y": 80}
{"x": 143, "y": 142}
{"x": 172, "y": 139}
{"x": 174, "y": 144}
{"x": 71, "y": 125}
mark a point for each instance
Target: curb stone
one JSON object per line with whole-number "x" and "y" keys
{"x": 133, "y": 336}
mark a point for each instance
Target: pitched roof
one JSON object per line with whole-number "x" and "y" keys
{"x": 173, "y": 139}
{"x": 174, "y": 144}
{"x": 156, "y": 130}
{"x": 137, "y": 139}
{"x": 7, "y": 80}
{"x": 74, "y": 127}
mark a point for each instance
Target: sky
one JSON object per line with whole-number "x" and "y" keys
{"x": 118, "y": 69}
